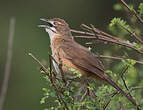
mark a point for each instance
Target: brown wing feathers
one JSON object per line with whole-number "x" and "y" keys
{"x": 88, "y": 62}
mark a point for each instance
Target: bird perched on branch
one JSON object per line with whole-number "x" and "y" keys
{"x": 74, "y": 55}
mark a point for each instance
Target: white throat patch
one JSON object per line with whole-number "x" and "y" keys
{"x": 50, "y": 32}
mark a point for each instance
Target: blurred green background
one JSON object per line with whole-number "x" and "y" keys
{"x": 25, "y": 85}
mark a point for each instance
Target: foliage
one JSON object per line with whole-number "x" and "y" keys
{"x": 102, "y": 94}
{"x": 140, "y": 9}
{"x": 117, "y": 7}
{"x": 95, "y": 96}
{"x": 118, "y": 26}
{"x": 120, "y": 22}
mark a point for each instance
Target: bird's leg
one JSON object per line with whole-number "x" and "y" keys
{"x": 85, "y": 90}
{"x": 83, "y": 96}
{"x": 91, "y": 92}
{"x": 61, "y": 71}
{"x": 82, "y": 86}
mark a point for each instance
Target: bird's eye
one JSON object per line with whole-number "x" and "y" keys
{"x": 57, "y": 23}
{"x": 50, "y": 24}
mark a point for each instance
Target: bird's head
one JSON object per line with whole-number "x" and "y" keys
{"x": 56, "y": 26}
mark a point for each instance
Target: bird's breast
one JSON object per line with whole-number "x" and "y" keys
{"x": 60, "y": 56}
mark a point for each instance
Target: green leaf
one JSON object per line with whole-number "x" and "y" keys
{"x": 140, "y": 9}
{"x": 117, "y": 7}
{"x": 52, "y": 94}
{"x": 119, "y": 27}
{"x": 42, "y": 101}
{"x": 89, "y": 48}
{"x": 131, "y": 6}
{"x": 119, "y": 21}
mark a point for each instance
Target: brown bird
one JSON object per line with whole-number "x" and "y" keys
{"x": 73, "y": 55}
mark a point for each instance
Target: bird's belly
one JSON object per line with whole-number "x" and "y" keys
{"x": 69, "y": 68}
{"x": 65, "y": 70}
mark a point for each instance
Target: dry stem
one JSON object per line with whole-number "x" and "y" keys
{"x": 8, "y": 63}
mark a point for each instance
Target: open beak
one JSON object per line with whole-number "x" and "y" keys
{"x": 49, "y": 24}
{"x": 47, "y": 21}
{"x": 42, "y": 26}
{"x": 44, "y": 19}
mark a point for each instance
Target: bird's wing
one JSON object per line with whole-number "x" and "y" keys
{"x": 82, "y": 58}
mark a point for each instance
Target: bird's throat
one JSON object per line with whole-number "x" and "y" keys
{"x": 51, "y": 33}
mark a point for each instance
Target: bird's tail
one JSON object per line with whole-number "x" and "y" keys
{"x": 120, "y": 90}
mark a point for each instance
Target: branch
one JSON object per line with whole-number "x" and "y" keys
{"x": 124, "y": 82}
{"x": 133, "y": 34}
{"x": 97, "y": 31}
{"x": 41, "y": 65}
{"x": 117, "y": 58}
{"x": 110, "y": 38}
{"x": 106, "y": 105}
{"x": 81, "y": 32}
{"x": 60, "y": 68}
{"x": 118, "y": 42}
{"x": 8, "y": 63}
{"x": 132, "y": 11}
{"x": 122, "y": 77}
{"x": 59, "y": 92}
{"x": 138, "y": 87}
{"x": 102, "y": 36}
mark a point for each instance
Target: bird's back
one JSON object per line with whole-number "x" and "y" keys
{"x": 73, "y": 55}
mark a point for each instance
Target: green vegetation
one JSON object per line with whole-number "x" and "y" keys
{"x": 95, "y": 96}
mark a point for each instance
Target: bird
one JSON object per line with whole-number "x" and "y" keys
{"x": 73, "y": 55}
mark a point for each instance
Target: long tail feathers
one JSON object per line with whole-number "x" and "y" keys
{"x": 120, "y": 90}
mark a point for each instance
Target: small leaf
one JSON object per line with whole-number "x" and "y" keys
{"x": 117, "y": 7}
{"x": 140, "y": 9}
{"x": 89, "y": 48}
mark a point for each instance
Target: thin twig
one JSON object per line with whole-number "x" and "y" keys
{"x": 132, "y": 11}
{"x": 62, "y": 73}
{"x": 118, "y": 42}
{"x": 60, "y": 68}
{"x": 83, "y": 96}
{"x": 122, "y": 77}
{"x": 133, "y": 34}
{"x": 122, "y": 43}
{"x": 106, "y": 105}
{"x": 138, "y": 87}
{"x": 82, "y": 32}
{"x": 124, "y": 81}
{"x": 97, "y": 31}
{"x": 104, "y": 37}
{"x": 8, "y": 63}
{"x": 118, "y": 58}
{"x": 50, "y": 64}
{"x": 86, "y": 37}
{"x": 59, "y": 97}
{"x": 121, "y": 106}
